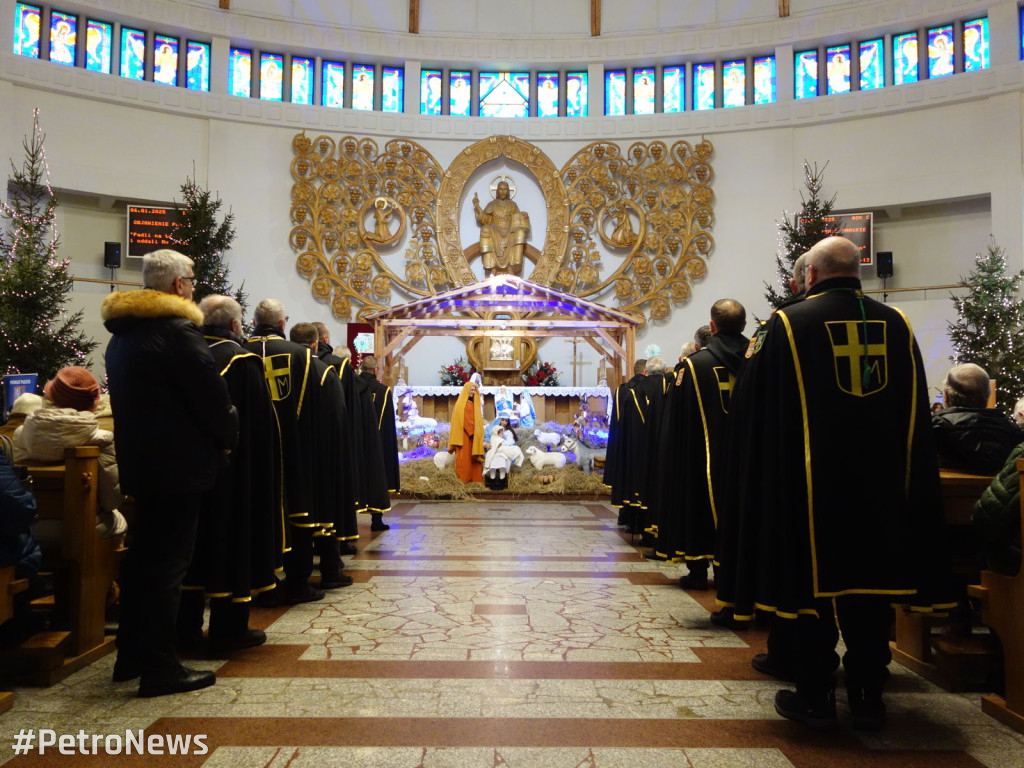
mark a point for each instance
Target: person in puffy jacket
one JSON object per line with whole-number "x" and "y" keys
{"x": 997, "y": 519}
{"x": 18, "y": 548}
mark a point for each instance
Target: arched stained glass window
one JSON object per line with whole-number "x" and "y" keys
{"x": 976, "y": 45}
{"x": 764, "y": 80}
{"x": 734, "y": 83}
{"x": 63, "y": 38}
{"x": 673, "y": 81}
{"x": 805, "y": 69}
{"x": 872, "y": 70}
{"x": 99, "y": 43}
{"x": 577, "y": 98}
{"x": 133, "y": 54}
{"x": 504, "y": 94}
{"x": 392, "y": 89}
{"x": 165, "y": 60}
{"x": 430, "y": 92}
{"x": 615, "y": 92}
{"x": 547, "y": 94}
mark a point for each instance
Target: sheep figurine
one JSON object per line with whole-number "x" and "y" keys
{"x": 444, "y": 460}
{"x": 548, "y": 439}
{"x": 540, "y": 459}
{"x": 583, "y": 452}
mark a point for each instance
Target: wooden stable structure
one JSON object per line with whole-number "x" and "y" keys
{"x": 502, "y": 318}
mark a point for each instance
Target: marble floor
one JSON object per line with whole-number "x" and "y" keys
{"x": 477, "y": 635}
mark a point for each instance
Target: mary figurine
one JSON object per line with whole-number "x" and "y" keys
{"x": 527, "y": 415}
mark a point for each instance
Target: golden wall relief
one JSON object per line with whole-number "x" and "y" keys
{"x": 374, "y": 227}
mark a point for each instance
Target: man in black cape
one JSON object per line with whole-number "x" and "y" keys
{"x": 834, "y": 387}
{"x": 384, "y": 427}
{"x": 623, "y": 474}
{"x": 287, "y": 368}
{"x": 692, "y": 447}
{"x": 240, "y": 540}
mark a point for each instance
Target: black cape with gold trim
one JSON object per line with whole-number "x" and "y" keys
{"x": 240, "y": 539}
{"x": 384, "y": 413}
{"x": 371, "y": 480}
{"x": 626, "y": 473}
{"x": 835, "y": 483}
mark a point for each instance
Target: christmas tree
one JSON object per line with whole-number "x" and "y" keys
{"x": 799, "y": 231}
{"x": 989, "y": 329}
{"x": 204, "y": 238}
{"x": 37, "y": 333}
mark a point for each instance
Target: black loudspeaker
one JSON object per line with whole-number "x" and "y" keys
{"x": 883, "y": 263}
{"x": 112, "y": 255}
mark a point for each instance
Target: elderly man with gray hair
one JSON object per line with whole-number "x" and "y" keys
{"x": 970, "y": 436}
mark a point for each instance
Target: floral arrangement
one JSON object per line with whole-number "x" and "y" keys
{"x": 456, "y": 374}
{"x": 541, "y": 375}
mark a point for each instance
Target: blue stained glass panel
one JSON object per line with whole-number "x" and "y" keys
{"x": 197, "y": 66}
{"x": 333, "y": 91}
{"x": 837, "y": 68}
{"x": 905, "y": 59}
{"x": 240, "y": 72}
{"x": 392, "y": 80}
{"x": 362, "y": 87}
{"x": 940, "y": 51}
{"x": 302, "y": 80}
{"x": 504, "y": 94}
{"x": 704, "y": 86}
{"x": 805, "y": 71}
{"x": 764, "y": 80}
{"x": 63, "y": 38}
{"x": 673, "y": 81}
{"x": 872, "y": 71}
{"x": 734, "y": 83}
{"x": 28, "y": 20}
{"x": 430, "y": 92}
{"x": 547, "y": 94}
{"x": 133, "y": 53}
{"x": 577, "y": 98}
{"x": 615, "y": 92}
{"x": 976, "y": 45}
{"x": 643, "y": 91}
{"x": 99, "y": 42}
{"x": 460, "y": 85}
{"x": 271, "y": 77}
{"x": 165, "y": 60}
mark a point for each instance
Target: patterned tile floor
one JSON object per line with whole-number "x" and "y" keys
{"x": 480, "y": 635}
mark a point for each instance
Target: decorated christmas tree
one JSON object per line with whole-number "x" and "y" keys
{"x": 989, "y": 329}
{"x": 799, "y": 231}
{"x": 204, "y": 237}
{"x": 37, "y": 333}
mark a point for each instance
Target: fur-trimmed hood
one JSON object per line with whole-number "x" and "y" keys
{"x": 148, "y": 304}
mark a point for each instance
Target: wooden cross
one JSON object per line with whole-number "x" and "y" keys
{"x": 576, "y": 363}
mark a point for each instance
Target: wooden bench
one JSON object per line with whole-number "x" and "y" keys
{"x": 1002, "y": 601}
{"x": 84, "y": 565}
{"x": 915, "y": 645}
{"x": 10, "y": 585}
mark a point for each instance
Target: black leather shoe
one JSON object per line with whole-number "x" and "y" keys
{"x": 690, "y": 581}
{"x": 652, "y": 555}
{"x": 868, "y": 711}
{"x": 725, "y": 618}
{"x": 309, "y": 595}
{"x": 348, "y": 549}
{"x": 380, "y": 526}
{"x": 764, "y": 663}
{"x": 125, "y": 670}
{"x": 249, "y": 639}
{"x": 819, "y": 713}
{"x": 177, "y": 680}
{"x": 335, "y": 582}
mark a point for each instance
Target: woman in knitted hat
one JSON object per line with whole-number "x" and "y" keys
{"x": 68, "y": 419}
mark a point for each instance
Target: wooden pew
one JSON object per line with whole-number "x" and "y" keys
{"x": 914, "y": 645}
{"x": 84, "y": 566}
{"x": 1002, "y": 601}
{"x": 10, "y": 585}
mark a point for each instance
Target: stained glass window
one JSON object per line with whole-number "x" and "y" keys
{"x": 547, "y": 94}
{"x": 704, "y": 86}
{"x": 734, "y": 83}
{"x": 362, "y": 87}
{"x": 165, "y": 60}
{"x": 837, "y": 68}
{"x": 805, "y": 70}
{"x": 302, "y": 80}
{"x": 392, "y": 80}
{"x": 99, "y": 42}
{"x": 504, "y": 94}
{"x": 240, "y": 72}
{"x": 615, "y": 92}
{"x": 673, "y": 81}
{"x": 63, "y": 38}
{"x": 576, "y": 95}
{"x": 430, "y": 92}
{"x": 905, "y": 59}
{"x": 460, "y": 84}
{"x": 133, "y": 53}
{"x": 940, "y": 51}
{"x": 764, "y": 80}
{"x": 28, "y": 20}
{"x": 643, "y": 91}
{"x": 197, "y": 66}
{"x": 272, "y": 77}
{"x": 872, "y": 71}
{"x": 976, "y": 45}
{"x": 333, "y": 91}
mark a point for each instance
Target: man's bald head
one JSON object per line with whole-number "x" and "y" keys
{"x": 832, "y": 257}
